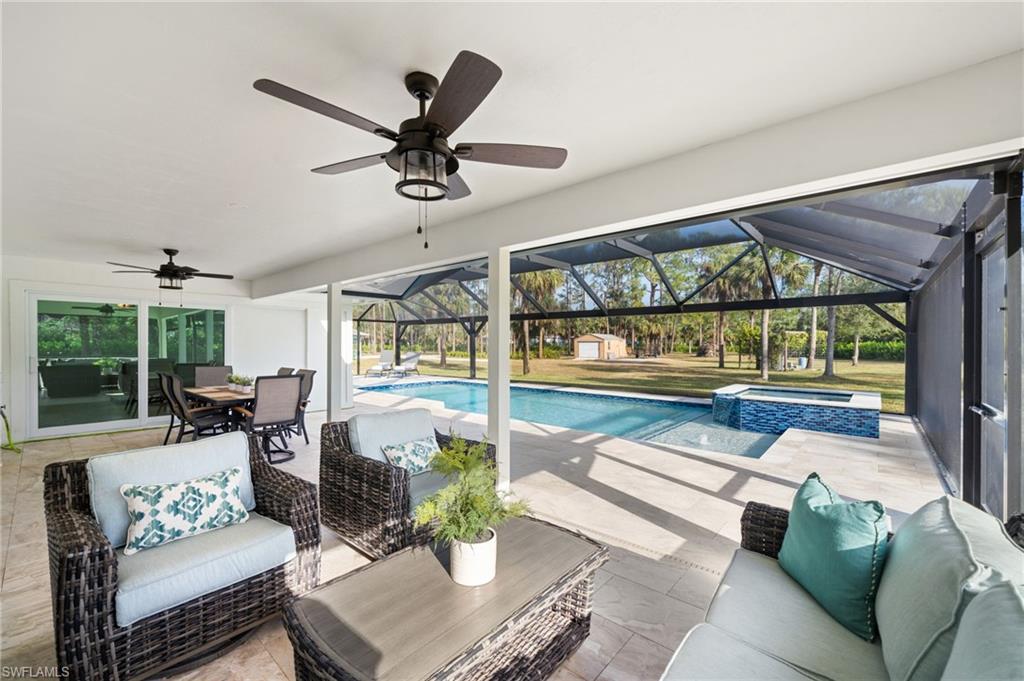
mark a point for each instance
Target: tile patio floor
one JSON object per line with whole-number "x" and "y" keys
{"x": 669, "y": 515}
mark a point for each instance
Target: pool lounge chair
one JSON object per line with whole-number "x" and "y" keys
{"x": 382, "y": 369}
{"x": 409, "y": 365}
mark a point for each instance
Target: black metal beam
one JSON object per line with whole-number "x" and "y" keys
{"x": 527, "y": 295}
{"x": 970, "y": 481}
{"x": 424, "y": 281}
{"x": 826, "y": 241}
{"x": 639, "y": 251}
{"x": 372, "y": 294}
{"x": 749, "y": 230}
{"x": 892, "y": 296}
{"x": 472, "y": 294}
{"x": 589, "y": 291}
{"x": 911, "y": 374}
{"x": 366, "y": 312}
{"x": 877, "y": 274}
{"x": 886, "y": 218}
{"x": 768, "y": 268}
{"x": 444, "y": 309}
{"x": 408, "y": 308}
{"x": 707, "y": 282}
{"x": 887, "y": 317}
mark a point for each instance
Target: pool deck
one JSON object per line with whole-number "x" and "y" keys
{"x": 669, "y": 514}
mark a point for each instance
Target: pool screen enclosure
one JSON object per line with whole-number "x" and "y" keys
{"x": 946, "y": 245}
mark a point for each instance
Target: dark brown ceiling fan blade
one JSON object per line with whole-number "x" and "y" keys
{"x": 457, "y": 188}
{"x": 526, "y": 155}
{"x": 319, "y": 106}
{"x": 468, "y": 81}
{"x": 351, "y": 164}
{"x": 133, "y": 272}
{"x": 137, "y": 267}
{"x": 209, "y": 275}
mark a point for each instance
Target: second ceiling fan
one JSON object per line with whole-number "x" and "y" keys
{"x": 425, "y": 161}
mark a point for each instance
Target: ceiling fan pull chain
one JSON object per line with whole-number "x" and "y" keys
{"x": 419, "y": 218}
{"x": 426, "y": 220}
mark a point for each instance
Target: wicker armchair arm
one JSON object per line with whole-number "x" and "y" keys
{"x": 83, "y": 569}
{"x": 289, "y": 500}
{"x": 763, "y": 528}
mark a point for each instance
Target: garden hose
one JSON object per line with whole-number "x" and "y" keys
{"x": 9, "y": 444}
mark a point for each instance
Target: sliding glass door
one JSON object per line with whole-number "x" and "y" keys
{"x": 179, "y": 340}
{"x": 81, "y": 350}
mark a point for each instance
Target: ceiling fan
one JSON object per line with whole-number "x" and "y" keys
{"x": 106, "y": 309}
{"x": 426, "y": 163}
{"x": 170, "y": 274}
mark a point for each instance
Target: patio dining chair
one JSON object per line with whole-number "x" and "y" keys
{"x": 276, "y": 411}
{"x": 203, "y": 420}
{"x": 285, "y": 371}
{"x": 306, "y": 389}
{"x": 211, "y": 375}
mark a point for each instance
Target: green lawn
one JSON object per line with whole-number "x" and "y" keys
{"x": 682, "y": 374}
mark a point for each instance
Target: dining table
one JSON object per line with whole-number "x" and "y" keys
{"x": 219, "y": 396}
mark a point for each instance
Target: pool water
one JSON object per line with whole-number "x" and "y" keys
{"x": 798, "y": 394}
{"x": 653, "y": 420}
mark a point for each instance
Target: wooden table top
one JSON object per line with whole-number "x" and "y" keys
{"x": 403, "y": 617}
{"x": 219, "y": 395}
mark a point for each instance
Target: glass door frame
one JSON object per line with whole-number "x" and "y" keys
{"x": 161, "y": 419}
{"x": 32, "y": 387}
{"x": 142, "y": 305}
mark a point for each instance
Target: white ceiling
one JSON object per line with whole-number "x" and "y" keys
{"x": 131, "y": 127}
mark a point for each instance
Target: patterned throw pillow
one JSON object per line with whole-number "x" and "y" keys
{"x": 414, "y": 456}
{"x": 163, "y": 513}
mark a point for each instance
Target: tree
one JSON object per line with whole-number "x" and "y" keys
{"x": 542, "y": 286}
{"x": 813, "y": 340}
{"x": 835, "y": 282}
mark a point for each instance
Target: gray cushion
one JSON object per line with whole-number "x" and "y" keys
{"x": 154, "y": 580}
{"x": 942, "y": 556}
{"x": 422, "y": 485}
{"x": 760, "y": 604}
{"x": 154, "y": 465}
{"x": 370, "y": 432}
{"x": 707, "y": 652}
{"x": 990, "y": 639}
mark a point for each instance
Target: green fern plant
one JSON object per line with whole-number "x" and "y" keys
{"x": 469, "y": 504}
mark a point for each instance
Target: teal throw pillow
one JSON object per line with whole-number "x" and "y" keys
{"x": 835, "y": 550}
{"x": 414, "y": 456}
{"x": 164, "y": 513}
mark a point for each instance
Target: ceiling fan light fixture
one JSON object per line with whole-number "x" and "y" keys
{"x": 170, "y": 283}
{"x": 422, "y": 175}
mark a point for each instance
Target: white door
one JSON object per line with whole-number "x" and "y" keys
{"x": 588, "y": 350}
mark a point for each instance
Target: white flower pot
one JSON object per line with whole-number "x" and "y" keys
{"x": 247, "y": 389}
{"x": 233, "y": 388}
{"x": 474, "y": 564}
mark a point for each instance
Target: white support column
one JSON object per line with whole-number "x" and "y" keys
{"x": 182, "y": 347}
{"x": 498, "y": 362}
{"x": 208, "y": 325}
{"x": 339, "y": 353}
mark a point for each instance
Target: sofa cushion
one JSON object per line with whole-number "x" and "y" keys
{"x": 989, "y": 642}
{"x": 707, "y": 652}
{"x": 160, "y": 465}
{"x": 369, "y": 433}
{"x": 835, "y": 550}
{"x": 422, "y": 485}
{"x": 760, "y": 604}
{"x": 942, "y": 556}
{"x": 152, "y": 581}
{"x": 165, "y": 513}
{"x": 414, "y": 456}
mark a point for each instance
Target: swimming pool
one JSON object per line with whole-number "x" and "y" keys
{"x": 678, "y": 423}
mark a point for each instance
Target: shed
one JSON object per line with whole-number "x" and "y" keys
{"x": 599, "y": 346}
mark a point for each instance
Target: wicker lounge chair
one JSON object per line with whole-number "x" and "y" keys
{"x": 84, "y": 579}
{"x": 368, "y": 502}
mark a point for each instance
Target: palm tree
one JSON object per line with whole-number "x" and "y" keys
{"x": 541, "y": 285}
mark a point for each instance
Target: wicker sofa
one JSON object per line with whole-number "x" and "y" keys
{"x": 367, "y": 500}
{"x": 92, "y": 639}
{"x": 762, "y": 624}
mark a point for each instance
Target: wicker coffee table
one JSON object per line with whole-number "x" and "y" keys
{"x": 403, "y": 618}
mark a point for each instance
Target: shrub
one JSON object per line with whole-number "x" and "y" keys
{"x": 883, "y": 350}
